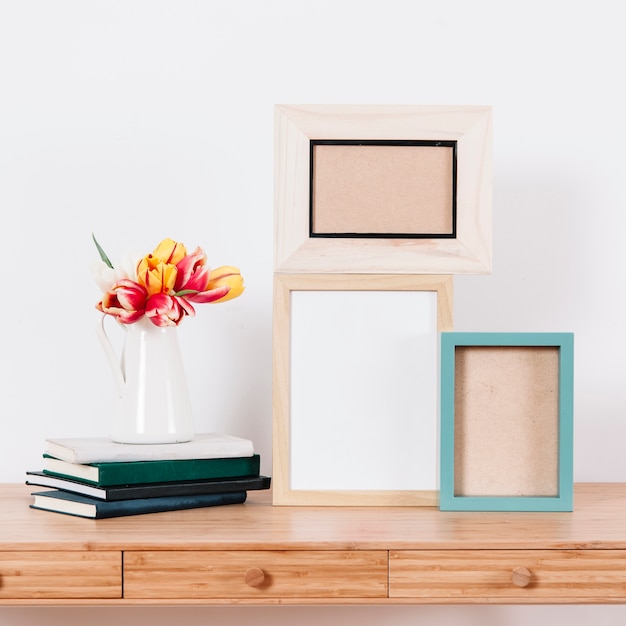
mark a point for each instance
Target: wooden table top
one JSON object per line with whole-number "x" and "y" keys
{"x": 597, "y": 522}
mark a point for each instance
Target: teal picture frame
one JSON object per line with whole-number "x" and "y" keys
{"x": 454, "y": 350}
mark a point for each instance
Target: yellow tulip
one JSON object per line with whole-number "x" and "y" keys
{"x": 170, "y": 251}
{"x": 226, "y": 276}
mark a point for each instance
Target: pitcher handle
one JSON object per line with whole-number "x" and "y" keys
{"x": 109, "y": 352}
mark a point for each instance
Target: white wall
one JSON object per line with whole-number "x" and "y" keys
{"x": 141, "y": 119}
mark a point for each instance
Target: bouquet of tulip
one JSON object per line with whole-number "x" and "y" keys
{"x": 162, "y": 285}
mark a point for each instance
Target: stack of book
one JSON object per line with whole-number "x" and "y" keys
{"x": 98, "y": 478}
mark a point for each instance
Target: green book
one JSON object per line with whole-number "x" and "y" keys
{"x": 136, "y": 472}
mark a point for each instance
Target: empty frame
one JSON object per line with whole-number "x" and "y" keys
{"x": 506, "y": 419}
{"x": 356, "y": 388}
{"x": 383, "y": 189}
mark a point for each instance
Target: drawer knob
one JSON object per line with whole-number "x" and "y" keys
{"x": 521, "y": 576}
{"x": 254, "y": 577}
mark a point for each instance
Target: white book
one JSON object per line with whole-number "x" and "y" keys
{"x": 104, "y": 450}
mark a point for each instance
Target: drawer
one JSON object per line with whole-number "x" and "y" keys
{"x": 508, "y": 575}
{"x": 30, "y": 575}
{"x": 256, "y": 574}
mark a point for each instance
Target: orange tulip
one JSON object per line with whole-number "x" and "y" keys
{"x": 155, "y": 275}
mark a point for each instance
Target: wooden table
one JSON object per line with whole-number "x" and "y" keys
{"x": 256, "y": 553}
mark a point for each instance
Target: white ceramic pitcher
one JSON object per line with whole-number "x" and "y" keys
{"x": 153, "y": 404}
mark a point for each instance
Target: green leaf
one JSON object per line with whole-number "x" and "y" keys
{"x": 186, "y": 292}
{"x": 103, "y": 255}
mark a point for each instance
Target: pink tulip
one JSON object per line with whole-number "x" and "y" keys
{"x": 193, "y": 280}
{"x": 163, "y": 310}
{"x": 126, "y": 301}
{"x": 210, "y": 295}
{"x": 192, "y": 272}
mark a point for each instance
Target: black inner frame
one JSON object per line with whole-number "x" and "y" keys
{"x": 384, "y": 142}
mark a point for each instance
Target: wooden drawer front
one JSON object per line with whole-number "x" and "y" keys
{"x": 256, "y": 574}
{"x": 518, "y": 575}
{"x": 60, "y": 575}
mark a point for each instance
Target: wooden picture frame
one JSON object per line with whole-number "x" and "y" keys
{"x": 383, "y": 189}
{"x": 371, "y": 188}
{"x": 355, "y": 388}
{"x": 506, "y": 421}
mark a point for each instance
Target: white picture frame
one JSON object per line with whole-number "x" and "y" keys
{"x": 355, "y": 388}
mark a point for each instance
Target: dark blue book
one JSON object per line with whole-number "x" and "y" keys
{"x": 149, "y": 490}
{"x": 84, "y": 506}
